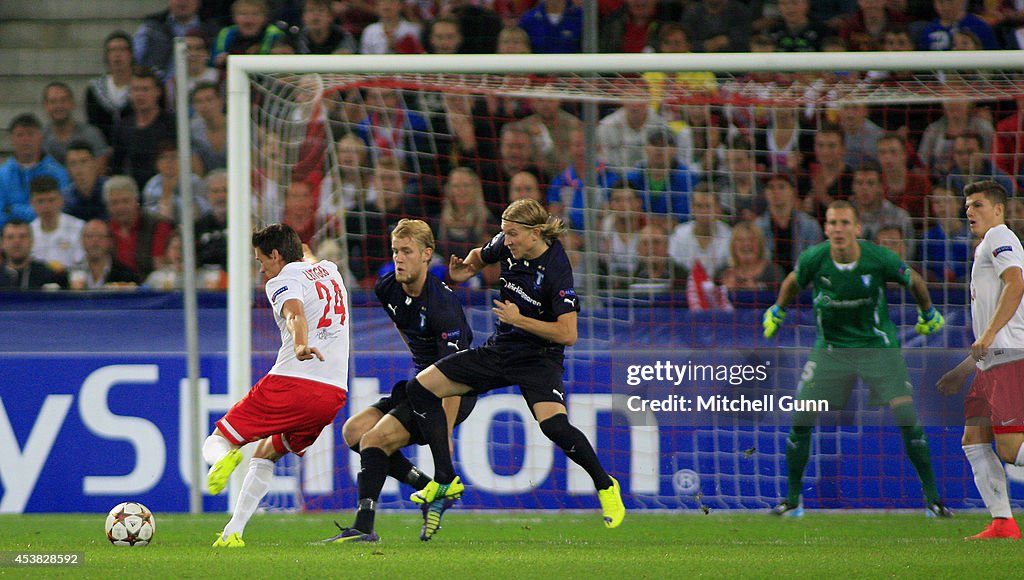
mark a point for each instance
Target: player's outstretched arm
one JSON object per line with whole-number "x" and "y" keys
{"x": 953, "y": 381}
{"x": 773, "y": 317}
{"x": 1009, "y": 301}
{"x": 460, "y": 270}
{"x": 295, "y": 318}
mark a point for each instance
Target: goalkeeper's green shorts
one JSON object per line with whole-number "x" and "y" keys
{"x": 831, "y": 375}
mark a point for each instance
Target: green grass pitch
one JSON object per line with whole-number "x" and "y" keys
{"x": 529, "y": 545}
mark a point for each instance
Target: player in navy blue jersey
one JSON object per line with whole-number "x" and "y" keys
{"x": 430, "y": 319}
{"x": 536, "y": 320}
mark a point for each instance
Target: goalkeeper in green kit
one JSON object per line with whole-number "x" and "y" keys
{"x": 856, "y": 339}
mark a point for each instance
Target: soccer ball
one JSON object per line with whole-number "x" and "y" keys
{"x": 130, "y": 524}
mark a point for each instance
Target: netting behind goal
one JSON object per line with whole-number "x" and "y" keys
{"x": 341, "y": 157}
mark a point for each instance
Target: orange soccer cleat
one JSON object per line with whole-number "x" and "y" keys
{"x": 999, "y": 529}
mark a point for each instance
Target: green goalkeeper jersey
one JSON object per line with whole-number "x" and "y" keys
{"x": 850, "y": 308}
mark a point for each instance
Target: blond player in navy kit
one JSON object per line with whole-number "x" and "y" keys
{"x": 994, "y": 407}
{"x": 287, "y": 409}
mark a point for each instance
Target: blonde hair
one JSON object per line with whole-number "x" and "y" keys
{"x": 476, "y": 212}
{"x": 416, "y": 230}
{"x": 530, "y": 213}
{"x": 752, "y": 229}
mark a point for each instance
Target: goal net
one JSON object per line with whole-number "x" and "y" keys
{"x": 664, "y": 167}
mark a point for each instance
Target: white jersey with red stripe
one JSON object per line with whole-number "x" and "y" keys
{"x": 998, "y": 251}
{"x": 324, "y": 299}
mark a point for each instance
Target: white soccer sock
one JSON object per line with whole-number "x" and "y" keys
{"x": 990, "y": 478}
{"x": 255, "y": 486}
{"x": 214, "y": 448}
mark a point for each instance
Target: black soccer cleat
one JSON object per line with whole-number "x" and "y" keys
{"x": 938, "y": 510}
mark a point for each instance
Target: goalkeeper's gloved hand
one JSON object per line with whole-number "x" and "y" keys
{"x": 929, "y": 322}
{"x": 772, "y": 320}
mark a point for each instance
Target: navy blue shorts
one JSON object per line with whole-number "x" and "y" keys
{"x": 397, "y": 405}
{"x": 485, "y": 368}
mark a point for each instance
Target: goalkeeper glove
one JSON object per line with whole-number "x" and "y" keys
{"x": 772, "y": 320}
{"x": 929, "y": 322}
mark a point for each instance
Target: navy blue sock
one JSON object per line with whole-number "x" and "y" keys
{"x": 434, "y": 426}
{"x": 576, "y": 447}
{"x": 370, "y": 481}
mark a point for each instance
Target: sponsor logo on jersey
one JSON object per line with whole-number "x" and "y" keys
{"x": 1001, "y": 249}
{"x": 277, "y": 293}
{"x": 513, "y": 287}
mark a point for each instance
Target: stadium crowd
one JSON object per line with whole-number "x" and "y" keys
{"x": 700, "y": 194}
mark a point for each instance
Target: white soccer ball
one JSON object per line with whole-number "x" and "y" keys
{"x": 130, "y": 524}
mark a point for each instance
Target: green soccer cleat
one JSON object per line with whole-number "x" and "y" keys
{"x": 432, "y": 514}
{"x": 436, "y": 490}
{"x": 233, "y": 541}
{"x": 220, "y": 472}
{"x": 611, "y": 504}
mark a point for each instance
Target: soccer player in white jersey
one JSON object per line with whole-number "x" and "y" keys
{"x": 286, "y": 410}
{"x": 994, "y": 407}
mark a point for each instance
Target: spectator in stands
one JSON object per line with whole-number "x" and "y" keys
{"x": 946, "y": 248}
{"x": 211, "y": 228}
{"x": 299, "y": 211}
{"x": 106, "y": 98}
{"x": 444, "y": 36}
{"x": 350, "y": 192}
{"x": 629, "y": 28}
{"x": 516, "y": 153}
{"x": 865, "y": 29}
{"x": 718, "y": 25}
{"x": 251, "y": 33}
{"x": 698, "y": 129}
{"x": 369, "y": 232}
{"x": 891, "y": 237}
{"x": 513, "y": 40}
{"x": 829, "y": 177}
{"x": 952, "y": 15}
{"x": 162, "y": 193}
{"x": 56, "y": 235}
{"x": 860, "y": 134}
{"x": 99, "y": 269}
{"x": 936, "y": 147}
{"x": 622, "y": 135}
{"x": 778, "y": 143}
{"x": 209, "y": 127}
{"x": 524, "y": 185}
{"x": 59, "y": 104}
{"x": 739, "y": 192}
{"x": 480, "y": 25}
{"x": 566, "y": 196}
{"x": 703, "y": 239}
{"x": 904, "y": 186}
{"x": 554, "y": 27}
{"x": 392, "y": 129}
{"x": 1008, "y": 144}
{"x": 972, "y": 163}
{"x": 465, "y": 220}
{"x": 750, "y": 265}
{"x": 320, "y": 34}
{"x": 84, "y": 196}
{"x": 21, "y": 270}
{"x": 674, "y": 38}
{"x": 153, "y": 43}
{"x": 551, "y": 127}
{"x": 137, "y": 134}
{"x": 797, "y": 31}
{"x": 620, "y": 227}
{"x": 29, "y": 161}
{"x": 787, "y": 230}
{"x": 663, "y": 183}
{"x": 140, "y": 239}
{"x": 874, "y": 210}
{"x": 391, "y": 34}
{"x": 354, "y": 15}
{"x": 1015, "y": 215}
{"x": 198, "y": 71}
{"x": 655, "y": 265}
{"x": 169, "y": 276}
